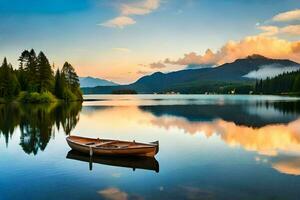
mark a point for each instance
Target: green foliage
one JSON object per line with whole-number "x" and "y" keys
{"x": 45, "y": 74}
{"x": 35, "y": 78}
{"x": 9, "y": 85}
{"x": 296, "y": 85}
{"x": 35, "y": 97}
{"x": 68, "y": 95}
{"x": 70, "y": 75}
{"x": 28, "y": 68}
{"x": 286, "y": 83}
{"x": 67, "y": 84}
{"x": 59, "y": 85}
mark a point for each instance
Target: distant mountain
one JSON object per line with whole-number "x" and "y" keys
{"x": 94, "y": 82}
{"x": 241, "y": 71}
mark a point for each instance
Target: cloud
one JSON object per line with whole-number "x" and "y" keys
{"x": 157, "y": 65}
{"x": 274, "y": 30}
{"x": 142, "y": 72}
{"x": 291, "y": 30}
{"x": 209, "y": 58}
{"x": 272, "y": 47}
{"x": 270, "y": 71}
{"x": 119, "y": 22}
{"x": 142, "y": 7}
{"x": 120, "y": 49}
{"x": 287, "y": 16}
{"x": 269, "y": 30}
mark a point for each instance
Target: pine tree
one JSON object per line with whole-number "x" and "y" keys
{"x": 8, "y": 81}
{"x": 296, "y": 86}
{"x": 28, "y": 62}
{"x": 70, "y": 75}
{"x": 44, "y": 72}
{"x": 59, "y": 85}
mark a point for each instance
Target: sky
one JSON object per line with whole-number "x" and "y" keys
{"x": 122, "y": 40}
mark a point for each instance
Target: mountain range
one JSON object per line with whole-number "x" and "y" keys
{"x": 94, "y": 82}
{"x": 209, "y": 79}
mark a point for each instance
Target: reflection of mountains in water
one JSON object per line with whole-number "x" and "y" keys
{"x": 146, "y": 163}
{"x": 255, "y": 115}
{"x": 37, "y": 123}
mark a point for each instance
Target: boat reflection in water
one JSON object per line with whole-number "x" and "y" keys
{"x": 146, "y": 163}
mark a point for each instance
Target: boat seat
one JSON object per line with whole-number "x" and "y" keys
{"x": 103, "y": 144}
{"x": 90, "y": 143}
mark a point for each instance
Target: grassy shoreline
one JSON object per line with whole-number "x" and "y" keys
{"x": 37, "y": 98}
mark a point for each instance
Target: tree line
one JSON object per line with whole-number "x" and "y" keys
{"x": 286, "y": 83}
{"x": 35, "y": 79}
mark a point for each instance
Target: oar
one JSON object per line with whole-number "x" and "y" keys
{"x": 91, "y": 158}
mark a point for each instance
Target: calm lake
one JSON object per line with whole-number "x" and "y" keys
{"x": 211, "y": 147}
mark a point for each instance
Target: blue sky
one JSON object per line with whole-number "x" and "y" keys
{"x": 122, "y": 40}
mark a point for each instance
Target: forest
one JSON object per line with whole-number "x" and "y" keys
{"x": 286, "y": 83}
{"x": 34, "y": 81}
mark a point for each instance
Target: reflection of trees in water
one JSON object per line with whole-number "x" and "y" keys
{"x": 256, "y": 114}
{"x": 37, "y": 122}
{"x": 8, "y": 120}
{"x": 288, "y": 107}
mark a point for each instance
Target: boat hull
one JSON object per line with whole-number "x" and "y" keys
{"x": 145, "y": 163}
{"x": 133, "y": 149}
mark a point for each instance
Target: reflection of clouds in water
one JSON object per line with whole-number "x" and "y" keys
{"x": 270, "y": 140}
{"x": 116, "y": 175}
{"x": 161, "y": 188}
{"x": 261, "y": 160}
{"x": 287, "y": 165}
{"x": 114, "y": 193}
{"x": 267, "y": 140}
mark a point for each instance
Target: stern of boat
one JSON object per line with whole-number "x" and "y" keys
{"x": 156, "y": 143}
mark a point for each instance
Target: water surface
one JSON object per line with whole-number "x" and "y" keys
{"x": 211, "y": 147}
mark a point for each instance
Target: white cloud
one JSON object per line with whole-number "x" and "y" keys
{"x": 269, "y": 30}
{"x": 142, "y": 7}
{"x": 209, "y": 58}
{"x": 267, "y": 46}
{"x": 290, "y": 30}
{"x": 157, "y": 65}
{"x": 287, "y": 16}
{"x": 142, "y": 72}
{"x": 270, "y": 71}
{"x": 119, "y": 22}
{"x": 121, "y": 49}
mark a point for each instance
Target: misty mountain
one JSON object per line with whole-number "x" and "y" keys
{"x": 271, "y": 71}
{"x": 202, "y": 79}
{"x": 94, "y": 82}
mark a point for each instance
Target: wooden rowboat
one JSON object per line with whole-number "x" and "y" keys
{"x": 112, "y": 147}
{"x": 134, "y": 162}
